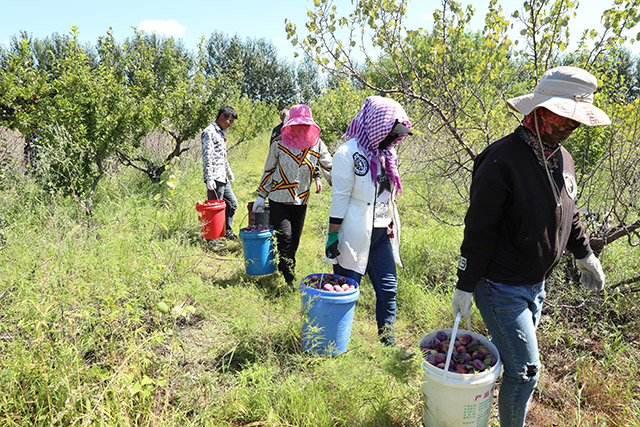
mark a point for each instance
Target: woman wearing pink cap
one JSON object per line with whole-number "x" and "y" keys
{"x": 288, "y": 173}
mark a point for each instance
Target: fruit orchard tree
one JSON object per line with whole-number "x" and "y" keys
{"x": 172, "y": 90}
{"x": 83, "y": 115}
{"x": 454, "y": 82}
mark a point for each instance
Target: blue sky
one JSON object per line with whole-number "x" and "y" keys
{"x": 190, "y": 20}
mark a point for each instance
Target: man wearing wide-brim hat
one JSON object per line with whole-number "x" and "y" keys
{"x": 521, "y": 217}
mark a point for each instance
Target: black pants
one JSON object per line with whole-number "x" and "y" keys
{"x": 287, "y": 222}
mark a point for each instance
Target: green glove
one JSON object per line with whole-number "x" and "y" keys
{"x": 332, "y": 245}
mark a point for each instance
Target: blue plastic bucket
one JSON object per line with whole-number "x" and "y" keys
{"x": 259, "y": 252}
{"x": 327, "y": 318}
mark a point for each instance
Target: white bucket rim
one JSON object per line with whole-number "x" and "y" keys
{"x": 490, "y": 375}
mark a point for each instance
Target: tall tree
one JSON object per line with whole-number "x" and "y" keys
{"x": 174, "y": 93}
{"x": 261, "y": 75}
{"x": 454, "y": 82}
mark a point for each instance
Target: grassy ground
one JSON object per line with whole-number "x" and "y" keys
{"x": 127, "y": 318}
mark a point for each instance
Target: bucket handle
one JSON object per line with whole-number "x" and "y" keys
{"x": 451, "y": 346}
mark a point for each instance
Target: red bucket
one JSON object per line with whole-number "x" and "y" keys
{"x": 212, "y": 218}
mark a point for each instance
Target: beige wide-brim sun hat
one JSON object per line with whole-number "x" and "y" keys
{"x": 566, "y": 91}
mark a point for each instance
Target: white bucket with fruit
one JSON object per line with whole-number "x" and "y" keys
{"x": 461, "y": 395}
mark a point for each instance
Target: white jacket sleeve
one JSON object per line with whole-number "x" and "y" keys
{"x": 343, "y": 179}
{"x": 325, "y": 161}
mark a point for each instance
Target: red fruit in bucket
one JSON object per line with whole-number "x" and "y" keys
{"x": 328, "y": 287}
{"x": 468, "y": 354}
{"x": 461, "y": 369}
{"x": 337, "y": 288}
{"x": 477, "y": 364}
{"x": 442, "y": 335}
{"x": 465, "y": 339}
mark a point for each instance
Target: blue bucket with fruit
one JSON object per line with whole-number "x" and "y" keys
{"x": 462, "y": 393}
{"x": 328, "y": 305}
{"x": 258, "y": 249}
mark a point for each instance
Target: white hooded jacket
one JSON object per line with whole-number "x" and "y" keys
{"x": 353, "y": 199}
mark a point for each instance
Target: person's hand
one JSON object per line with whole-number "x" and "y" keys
{"x": 318, "y": 185}
{"x": 591, "y": 274}
{"x": 461, "y": 302}
{"x": 230, "y": 176}
{"x": 331, "y": 249}
{"x": 258, "y": 205}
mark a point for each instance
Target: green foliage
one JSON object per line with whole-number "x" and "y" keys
{"x": 622, "y": 17}
{"x": 546, "y": 30}
{"x": 44, "y": 53}
{"x": 253, "y": 118}
{"x": 260, "y": 74}
{"x": 334, "y": 111}
{"x": 128, "y": 317}
{"x": 22, "y": 87}
{"x": 454, "y": 82}
{"x": 172, "y": 90}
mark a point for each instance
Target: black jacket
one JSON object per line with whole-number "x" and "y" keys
{"x": 515, "y": 231}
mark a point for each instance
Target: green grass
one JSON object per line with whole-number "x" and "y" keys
{"x": 83, "y": 341}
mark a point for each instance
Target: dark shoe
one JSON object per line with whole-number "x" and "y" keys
{"x": 388, "y": 340}
{"x": 293, "y": 284}
{"x": 213, "y": 244}
{"x": 401, "y": 352}
{"x": 404, "y": 354}
{"x": 231, "y": 236}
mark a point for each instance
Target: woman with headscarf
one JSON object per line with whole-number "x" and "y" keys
{"x": 364, "y": 227}
{"x": 286, "y": 181}
{"x": 521, "y": 217}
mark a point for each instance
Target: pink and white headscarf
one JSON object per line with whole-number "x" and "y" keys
{"x": 370, "y": 126}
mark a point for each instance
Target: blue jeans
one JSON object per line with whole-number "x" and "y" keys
{"x": 511, "y": 314}
{"x": 224, "y": 192}
{"x": 381, "y": 268}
